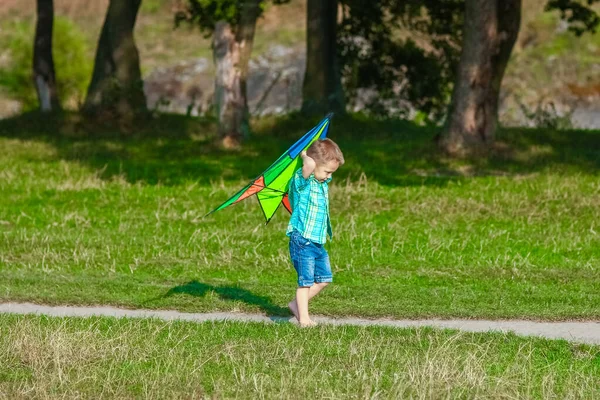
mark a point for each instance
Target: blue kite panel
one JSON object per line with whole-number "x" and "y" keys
{"x": 304, "y": 140}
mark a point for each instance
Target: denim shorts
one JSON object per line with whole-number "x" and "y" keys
{"x": 310, "y": 260}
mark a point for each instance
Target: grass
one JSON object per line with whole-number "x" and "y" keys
{"x": 89, "y": 216}
{"x": 121, "y": 358}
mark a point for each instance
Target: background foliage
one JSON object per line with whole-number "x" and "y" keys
{"x": 72, "y": 64}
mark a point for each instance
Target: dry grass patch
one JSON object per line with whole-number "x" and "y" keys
{"x": 107, "y": 358}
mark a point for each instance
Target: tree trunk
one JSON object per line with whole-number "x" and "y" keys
{"x": 322, "y": 89}
{"x": 117, "y": 80}
{"x": 491, "y": 29}
{"x": 43, "y": 64}
{"x": 229, "y": 100}
{"x": 245, "y": 37}
{"x": 231, "y": 53}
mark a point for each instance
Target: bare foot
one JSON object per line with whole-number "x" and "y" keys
{"x": 294, "y": 309}
{"x": 308, "y": 324}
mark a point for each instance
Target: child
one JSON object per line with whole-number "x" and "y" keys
{"x": 310, "y": 224}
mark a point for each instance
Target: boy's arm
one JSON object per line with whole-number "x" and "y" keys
{"x": 308, "y": 165}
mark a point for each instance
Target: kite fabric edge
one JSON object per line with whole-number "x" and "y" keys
{"x": 272, "y": 185}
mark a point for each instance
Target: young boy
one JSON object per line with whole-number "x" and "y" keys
{"x": 310, "y": 224}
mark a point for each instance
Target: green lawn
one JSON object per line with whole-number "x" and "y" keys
{"x": 43, "y": 357}
{"x": 90, "y": 216}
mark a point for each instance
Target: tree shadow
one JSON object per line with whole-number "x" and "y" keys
{"x": 534, "y": 150}
{"x": 233, "y": 293}
{"x": 174, "y": 149}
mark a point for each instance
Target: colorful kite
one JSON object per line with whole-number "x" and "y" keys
{"x": 271, "y": 187}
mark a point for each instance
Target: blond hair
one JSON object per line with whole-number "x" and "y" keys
{"x": 323, "y": 151}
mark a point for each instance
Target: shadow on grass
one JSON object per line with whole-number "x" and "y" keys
{"x": 172, "y": 149}
{"x": 233, "y": 293}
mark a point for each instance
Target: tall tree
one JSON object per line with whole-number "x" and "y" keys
{"x": 491, "y": 29}
{"x": 117, "y": 80}
{"x": 232, "y": 24}
{"x": 322, "y": 89}
{"x": 43, "y": 64}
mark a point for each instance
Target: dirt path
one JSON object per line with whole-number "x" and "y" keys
{"x": 582, "y": 332}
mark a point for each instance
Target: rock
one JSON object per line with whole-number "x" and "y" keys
{"x": 274, "y": 84}
{"x": 9, "y": 107}
{"x": 185, "y": 88}
{"x": 275, "y": 87}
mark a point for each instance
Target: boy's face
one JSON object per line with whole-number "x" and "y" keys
{"x": 323, "y": 171}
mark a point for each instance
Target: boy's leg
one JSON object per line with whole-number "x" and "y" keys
{"x": 302, "y": 294}
{"x": 316, "y": 288}
{"x": 303, "y": 256}
{"x": 312, "y": 292}
{"x": 323, "y": 274}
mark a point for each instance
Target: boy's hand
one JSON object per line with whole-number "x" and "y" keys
{"x": 308, "y": 164}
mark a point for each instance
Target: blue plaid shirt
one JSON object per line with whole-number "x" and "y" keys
{"x": 309, "y": 199}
